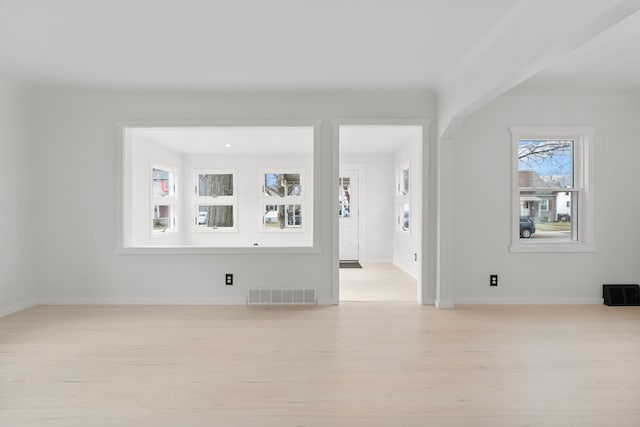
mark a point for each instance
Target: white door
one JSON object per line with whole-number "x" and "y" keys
{"x": 348, "y": 214}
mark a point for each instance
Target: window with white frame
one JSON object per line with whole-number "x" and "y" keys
{"x": 163, "y": 200}
{"x": 282, "y": 200}
{"x": 403, "y": 179}
{"x": 552, "y": 198}
{"x": 215, "y": 200}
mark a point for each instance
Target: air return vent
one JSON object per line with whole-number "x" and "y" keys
{"x": 271, "y": 296}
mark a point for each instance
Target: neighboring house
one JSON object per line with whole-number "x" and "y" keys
{"x": 540, "y": 205}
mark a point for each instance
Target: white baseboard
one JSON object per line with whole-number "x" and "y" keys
{"x": 144, "y": 301}
{"x": 529, "y": 300}
{"x": 430, "y": 301}
{"x": 6, "y": 311}
{"x": 445, "y": 305}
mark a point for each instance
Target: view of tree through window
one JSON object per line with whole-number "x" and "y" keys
{"x": 215, "y": 195}
{"x": 215, "y": 216}
{"x": 282, "y": 216}
{"x": 546, "y": 187}
{"x": 282, "y": 184}
{"x": 215, "y": 185}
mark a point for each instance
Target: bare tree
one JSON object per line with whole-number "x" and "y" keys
{"x": 550, "y": 159}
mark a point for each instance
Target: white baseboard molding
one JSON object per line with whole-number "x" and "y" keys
{"x": 530, "y": 300}
{"x": 405, "y": 270}
{"x": 144, "y": 301}
{"x": 445, "y": 305}
{"x": 430, "y": 301}
{"x": 6, "y": 311}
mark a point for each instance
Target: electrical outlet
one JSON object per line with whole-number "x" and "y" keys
{"x": 228, "y": 279}
{"x": 415, "y": 257}
{"x": 493, "y": 280}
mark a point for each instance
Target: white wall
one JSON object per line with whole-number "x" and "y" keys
{"x": 480, "y": 203}
{"x": 22, "y": 211}
{"x": 406, "y": 244}
{"x": 376, "y": 204}
{"x": 76, "y": 137}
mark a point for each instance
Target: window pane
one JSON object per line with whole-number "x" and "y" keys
{"x": 405, "y": 217}
{"x": 282, "y": 216}
{"x": 547, "y": 215}
{"x": 344, "y": 197}
{"x": 404, "y": 181}
{"x": 162, "y": 182}
{"x": 215, "y": 185}
{"x": 218, "y": 216}
{"x": 282, "y": 184}
{"x": 545, "y": 163}
{"x": 162, "y": 218}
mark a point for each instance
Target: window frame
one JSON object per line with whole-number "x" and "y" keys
{"x": 582, "y": 191}
{"x": 282, "y": 200}
{"x": 214, "y": 201}
{"x": 403, "y": 197}
{"x": 171, "y": 200}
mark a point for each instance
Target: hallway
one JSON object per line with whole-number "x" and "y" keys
{"x": 377, "y": 282}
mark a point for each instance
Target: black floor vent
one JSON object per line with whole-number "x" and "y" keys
{"x": 621, "y": 294}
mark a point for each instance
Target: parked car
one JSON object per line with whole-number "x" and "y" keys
{"x": 202, "y": 218}
{"x": 527, "y": 227}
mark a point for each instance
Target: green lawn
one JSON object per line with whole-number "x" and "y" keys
{"x": 553, "y": 226}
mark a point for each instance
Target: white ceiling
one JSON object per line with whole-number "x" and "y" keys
{"x": 241, "y": 43}
{"x": 377, "y": 139}
{"x": 261, "y": 140}
{"x": 467, "y": 51}
{"x": 610, "y": 62}
{"x": 257, "y": 140}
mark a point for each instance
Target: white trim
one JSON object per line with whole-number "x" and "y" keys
{"x": 143, "y": 301}
{"x": 530, "y": 300}
{"x": 7, "y": 311}
{"x": 208, "y": 250}
{"x": 123, "y": 195}
{"x": 426, "y": 257}
{"x": 444, "y": 305}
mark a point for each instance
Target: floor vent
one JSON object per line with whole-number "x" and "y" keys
{"x": 271, "y": 296}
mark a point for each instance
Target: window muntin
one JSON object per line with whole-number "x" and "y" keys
{"x": 552, "y": 200}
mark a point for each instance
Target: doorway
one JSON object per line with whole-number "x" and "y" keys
{"x": 380, "y": 212}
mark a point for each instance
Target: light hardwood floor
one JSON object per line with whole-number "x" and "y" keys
{"x": 357, "y": 364}
{"x": 377, "y": 282}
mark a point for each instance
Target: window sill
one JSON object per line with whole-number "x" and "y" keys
{"x": 552, "y": 248}
{"x": 203, "y": 250}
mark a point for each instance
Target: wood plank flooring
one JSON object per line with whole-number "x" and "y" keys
{"x": 357, "y": 364}
{"x": 377, "y": 282}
